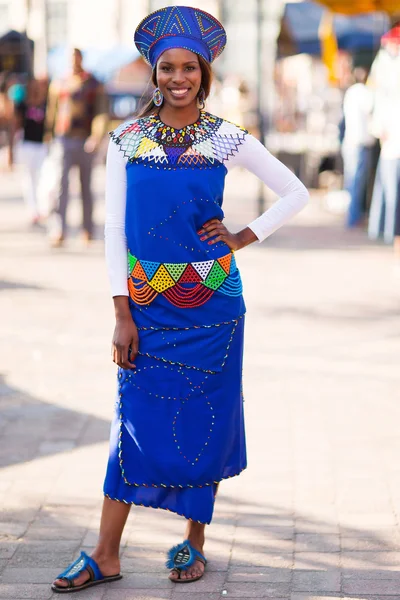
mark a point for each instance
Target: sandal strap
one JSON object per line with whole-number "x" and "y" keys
{"x": 82, "y": 563}
{"x": 183, "y": 556}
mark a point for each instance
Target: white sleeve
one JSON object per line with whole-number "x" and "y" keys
{"x": 293, "y": 196}
{"x": 114, "y": 231}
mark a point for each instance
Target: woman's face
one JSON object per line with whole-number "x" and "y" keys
{"x": 179, "y": 77}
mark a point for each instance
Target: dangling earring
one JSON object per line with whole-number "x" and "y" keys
{"x": 158, "y": 97}
{"x": 201, "y": 98}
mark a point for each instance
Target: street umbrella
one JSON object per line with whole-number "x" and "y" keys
{"x": 355, "y": 7}
{"x": 302, "y": 23}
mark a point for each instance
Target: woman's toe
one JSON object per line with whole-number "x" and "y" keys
{"x": 174, "y": 575}
{"x": 60, "y": 583}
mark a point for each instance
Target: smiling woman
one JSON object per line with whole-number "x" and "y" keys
{"x": 178, "y": 429}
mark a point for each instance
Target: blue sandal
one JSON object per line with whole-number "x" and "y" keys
{"x": 181, "y": 557}
{"x": 83, "y": 563}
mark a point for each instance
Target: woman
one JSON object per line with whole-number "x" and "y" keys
{"x": 31, "y": 151}
{"x": 178, "y": 340}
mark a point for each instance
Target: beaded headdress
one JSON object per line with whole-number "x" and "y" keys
{"x": 180, "y": 27}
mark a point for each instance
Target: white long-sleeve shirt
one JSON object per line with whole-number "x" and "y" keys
{"x": 252, "y": 155}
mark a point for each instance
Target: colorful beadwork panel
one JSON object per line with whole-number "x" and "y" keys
{"x": 208, "y": 142}
{"x": 186, "y": 285}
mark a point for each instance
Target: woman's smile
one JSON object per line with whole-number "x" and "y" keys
{"x": 179, "y": 92}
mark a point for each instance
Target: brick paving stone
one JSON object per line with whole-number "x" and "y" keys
{"x": 3, "y": 563}
{"x": 23, "y": 515}
{"x": 257, "y": 590}
{"x": 32, "y": 574}
{"x": 37, "y": 546}
{"x": 309, "y": 542}
{"x": 27, "y": 591}
{"x": 218, "y": 560}
{"x": 305, "y": 526}
{"x": 317, "y": 581}
{"x": 153, "y": 563}
{"x": 7, "y": 548}
{"x": 137, "y": 550}
{"x": 264, "y": 533}
{"x": 14, "y": 529}
{"x": 258, "y": 575}
{"x": 58, "y": 446}
{"x": 196, "y": 595}
{"x": 367, "y": 586}
{"x": 257, "y": 558}
{"x": 136, "y": 594}
{"x": 302, "y": 596}
{"x": 371, "y": 560}
{"x": 56, "y": 560}
{"x": 56, "y": 533}
{"x": 352, "y": 575}
{"x": 317, "y": 561}
{"x": 373, "y": 544}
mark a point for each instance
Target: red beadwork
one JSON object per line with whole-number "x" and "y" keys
{"x": 190, "y": 275}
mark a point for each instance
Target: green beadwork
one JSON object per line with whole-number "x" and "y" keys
{"x": 216, "y": 277}
{"x": 132, "y": 260}
{"x": 175, "y": 269}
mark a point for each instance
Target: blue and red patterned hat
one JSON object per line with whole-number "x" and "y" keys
{"x": 180, "y": 27}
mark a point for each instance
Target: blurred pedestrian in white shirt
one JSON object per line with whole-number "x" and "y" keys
{"x": 358, "y": 144}
{"x": 385, "y": 82}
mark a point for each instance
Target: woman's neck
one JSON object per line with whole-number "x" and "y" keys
{"x": 179, "y": 117}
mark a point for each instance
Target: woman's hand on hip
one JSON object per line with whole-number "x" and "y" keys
{"x": 215, "y": 231}
{"x": 125, "y": 340}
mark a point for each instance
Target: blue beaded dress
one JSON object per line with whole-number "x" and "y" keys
{"x": 179, "y": 426}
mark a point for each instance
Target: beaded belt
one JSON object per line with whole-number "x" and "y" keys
{"x": 185, "y": 285}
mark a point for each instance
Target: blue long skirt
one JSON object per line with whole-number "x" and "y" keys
{"x": 178, "y": 428}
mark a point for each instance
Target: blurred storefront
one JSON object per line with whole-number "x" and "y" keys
{"x": 309, "y": 108}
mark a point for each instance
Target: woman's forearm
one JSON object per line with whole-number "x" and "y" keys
{"x": 121, "y": 308}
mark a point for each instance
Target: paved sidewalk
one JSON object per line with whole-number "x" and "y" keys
{"x": 316, "y": 513}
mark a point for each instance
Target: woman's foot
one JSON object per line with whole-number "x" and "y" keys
{"x": 194, "y": 572}
{"x": 195, "y": 535}
{"x": 108, "y": 565}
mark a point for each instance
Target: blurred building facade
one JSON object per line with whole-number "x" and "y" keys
{"x": 252, "y": 27}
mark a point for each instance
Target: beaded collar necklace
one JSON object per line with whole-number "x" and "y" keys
{"x": 186, "y": 136}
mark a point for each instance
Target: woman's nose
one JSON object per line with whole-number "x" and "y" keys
{"x": 178, "y": 77}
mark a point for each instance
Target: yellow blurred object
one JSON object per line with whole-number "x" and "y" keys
{"x": 329, "y": 45}
{"x": 355, "y": 7}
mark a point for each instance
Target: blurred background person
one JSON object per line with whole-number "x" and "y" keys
{"x": 28, "y": 135}
{"x": 77, "y": 118}
{"x": 358, "y": 144}
{"x": 385, "y": 82}
{"x": 6, "y": 118}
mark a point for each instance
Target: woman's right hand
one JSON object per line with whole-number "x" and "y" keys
{"x": 125, "y": 339}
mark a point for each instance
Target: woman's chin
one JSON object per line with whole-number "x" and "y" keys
{"x": 180, "y": 102}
